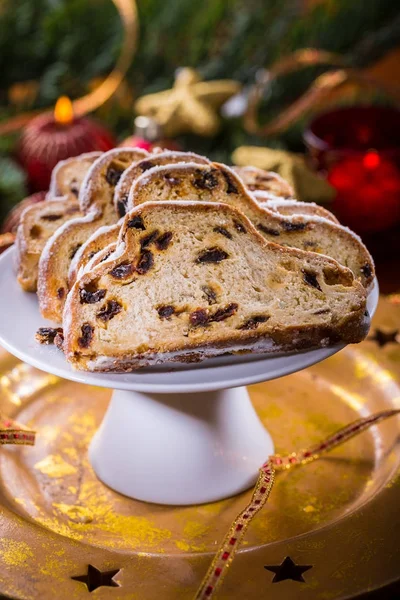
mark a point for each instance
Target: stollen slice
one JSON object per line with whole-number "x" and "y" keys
{"x": 37, "y": 224}
{"x": 255, "y": 178}
{"x": 107, "y": 234}
{"x": 153, "y": 160}
{"x": 68, "y": 175}
{"x": 218, "y": 183}
{"x": 96, "y": 202}
{"x": 189, "y": 281}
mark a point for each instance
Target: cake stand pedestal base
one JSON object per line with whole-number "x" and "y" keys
{"x": 180, "y": 448}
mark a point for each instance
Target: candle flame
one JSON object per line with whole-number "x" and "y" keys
{"x": 63, "y": 111}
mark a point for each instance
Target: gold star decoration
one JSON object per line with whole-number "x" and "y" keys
{"x": 385, "y": 337}
{"x": 95, "y": 578}
{"x": 190, "y": 106}
{"x": 308, "y": 185}
{"x": 288, "y": 570}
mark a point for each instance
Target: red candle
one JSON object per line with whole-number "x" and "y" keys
{"x": 358, "y": 149}
{"x": 49, "y": 138}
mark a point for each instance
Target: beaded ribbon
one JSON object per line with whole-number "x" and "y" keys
{"x": 230, "y": 545}
{"x": 12, "y": 432}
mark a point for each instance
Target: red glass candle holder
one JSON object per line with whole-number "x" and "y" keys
{"x": 358, "y": 150}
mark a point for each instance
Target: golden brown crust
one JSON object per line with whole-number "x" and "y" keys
{"x": 218, "y": 183}
{"x": 105, "y": 303}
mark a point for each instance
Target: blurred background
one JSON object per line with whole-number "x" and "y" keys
{"x": 246, "y": 82}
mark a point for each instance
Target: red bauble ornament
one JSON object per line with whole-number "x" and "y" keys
{"x": 368, "y": 191}
{"x": 49, "y": 138}
{"x": 11, "y": 221}
{"x": 148, "y": 135}
{"x": 358, "y": 148}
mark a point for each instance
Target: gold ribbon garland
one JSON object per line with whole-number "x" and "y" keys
{"x": 230, "y": 545}
{"x": 319, "y": 89}
{"x": 127, "y": 11}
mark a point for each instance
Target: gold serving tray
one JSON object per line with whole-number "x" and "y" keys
{"x": 339, "y": 515}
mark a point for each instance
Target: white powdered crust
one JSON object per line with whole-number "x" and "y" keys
{"x": 192, "y": 280}
{"x": 292, "y": 207}
{"x": 67, "y": 176}
{"x": 218, "y": 183}
{"x": 168, "y": 157}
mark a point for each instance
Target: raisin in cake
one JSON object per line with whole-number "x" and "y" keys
{"x": 192, "y": 280}
{"x": 68, "y": 175}
{"x": 218, "y": 183}
{"x": 96, "y": 201}
{"x": 37, "y": 224}
{"x": 154, "y": 160}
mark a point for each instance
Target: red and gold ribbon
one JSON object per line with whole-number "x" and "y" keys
{"x": 12, "y": 432}
{"x": 230, "y": 545}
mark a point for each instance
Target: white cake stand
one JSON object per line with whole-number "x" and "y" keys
{"x": 183, "y": 434}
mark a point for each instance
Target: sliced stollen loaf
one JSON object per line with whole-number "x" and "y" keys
{"x": 153, "y": 160}
{"x": 255, "y": 178}
{"x": 292, "y": 206}
{"x": 218, "y": 183}
{"x": 37, "y": 224}
{"x": 105, "y": 237}
{"x": 177, "y": 289}
{"x": 68, "y": 175}
{"x": 101, "y": 238}
{"x": 96, "y": 201}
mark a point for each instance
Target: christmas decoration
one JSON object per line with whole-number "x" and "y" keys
{"x": 190, "y": 106}
{"x": 359, "y": 149}
{"x": 230, "y": 545}
{"x": 11, "y": 220}
{"x": 382, "y": 337}
{"x": 308, "y": 185}
{"x": 12, "y": 185}
{"x": 12, "y": 432}
{"x": 95, "y": 578}
{"x": 48, "y": 138}
{"x": 148, "y": 135}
